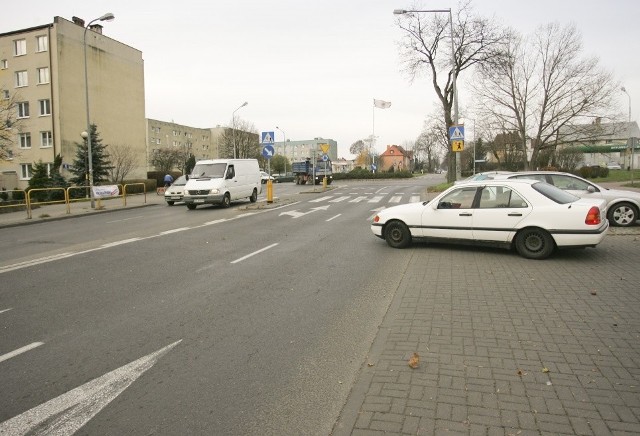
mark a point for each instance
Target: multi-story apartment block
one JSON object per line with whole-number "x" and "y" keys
{"x": 202, "y": 143}
{"x": 42, "y": 70}
{"x": 300, "y": 150}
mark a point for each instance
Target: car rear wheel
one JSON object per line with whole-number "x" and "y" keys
{"x": 191, "y": 206}
{"x": 170, "y": 203}
{"x": 397, "y": 234}
{"x": 226, "y": 200}
{"x": 534, "y": 243}
{"x": 254, "y": 196}
{"x": 622, "y": 215}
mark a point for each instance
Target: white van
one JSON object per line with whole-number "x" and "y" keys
{"x": 221, "y": 181}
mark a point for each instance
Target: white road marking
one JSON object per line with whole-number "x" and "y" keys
{"x": 181, "y": 229}
{"x": 339, "y": 199}
{"x": 65, "y": 414}
{"x": 33, "y": 262}
{"x": 395, "y": 199}
{"x": 334, "y": 217}
{"x": 296, "y": 214}
{"x": 116, "y": 243}
{"x": 414, "y": 199}
{"x": 17, "y": 352}
{"x": 318, "y": 200}
{"x": 376, "y": 199}
{"x": 6, "y": 310}
{"x": 358, "y": 199}
{"x": 254, "y": 253}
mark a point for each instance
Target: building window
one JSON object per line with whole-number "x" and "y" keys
{"x": 26, "y": 170}
{"x": 45, "y": 107}
{"x": 46, "y": 139}
{"x": 4, "y": 64}
{"x": 5, "y": 94}
{"x": 43, "y": 75}
{"x": 42, "y": 42}
{"x": 20, "y": 47}
{"x": 23, "y": 109}
{"x": 22, "y": 79}
{"x": 25, "y": 140}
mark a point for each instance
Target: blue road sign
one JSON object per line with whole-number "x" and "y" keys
{"x": 268, "y": 151}
{"x": 456, "y": 133}
{"x": 267, "y": 138}
{"x": 325, "y": 157}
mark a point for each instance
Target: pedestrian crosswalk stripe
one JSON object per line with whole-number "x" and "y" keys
{"x": 339, "y": 199}
{"x": 395, "y": 199}
{"x": 357, "y": 199}
{"x": 376, "y": 199}
{"x": 317, "y": 200}
{"x": 414, "y": 199}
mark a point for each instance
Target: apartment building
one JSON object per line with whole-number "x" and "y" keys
{"x": 42, "y": 70}
{"x": 202, "y": 143}
{"x": 308, "y": 148}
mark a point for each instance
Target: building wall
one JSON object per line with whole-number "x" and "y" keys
{"x": 300, "y": 150}
{"x": 116, "y": 93}
{"x": 202, "y": 143}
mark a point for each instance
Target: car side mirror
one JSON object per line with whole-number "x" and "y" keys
{"x": 591, "y": 189}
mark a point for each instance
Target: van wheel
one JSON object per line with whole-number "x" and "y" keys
{"x": 226, "y": 200}
{"x": 254, "y": 196}
{"x": 170, "y": 203}
{"x": 191, "y": 206}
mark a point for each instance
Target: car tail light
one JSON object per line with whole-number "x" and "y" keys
{"x": 376, "y": 219}
{"x": 593, "y": 216}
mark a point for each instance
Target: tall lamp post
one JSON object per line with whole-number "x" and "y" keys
{"x": 284, "y": 149}
{"x": 233, "y": 129}
{"x": 632, "y": 141}
{"x": 106, "y": 17}
{"x": 453, "y": 67}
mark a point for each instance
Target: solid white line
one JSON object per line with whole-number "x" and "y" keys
{"x": 333, "y": 217}
{"x": 20, "y": 351}
{"x": 6, "y": 310}
{"x": 126, "y": 219}
{"x": 116, "y": 243}
{"x": 181, "y": 229}
{"x": 254, "y": 253}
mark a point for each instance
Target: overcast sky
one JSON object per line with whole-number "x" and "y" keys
{"x": 313, "y": 67}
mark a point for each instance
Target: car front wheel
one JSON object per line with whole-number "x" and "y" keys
{"x": 397, "y": 234}
{"x": 226, "y": 200}
{"x": 170, "y": 203}
{"x": 534, "y": 243}
{"x": 622, "y": 215}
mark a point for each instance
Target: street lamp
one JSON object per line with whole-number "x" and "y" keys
{"x": 453, "y": 67}
{"x": 106, "y": 17}
{"x": 284, "y": 149}
{"x": 233, "y": 130}
{"x": 623, "y": 89}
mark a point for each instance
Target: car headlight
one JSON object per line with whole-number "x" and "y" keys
{"x": 214, "y": 191}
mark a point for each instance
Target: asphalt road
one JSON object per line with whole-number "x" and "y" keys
{"x": 274, "y": 310}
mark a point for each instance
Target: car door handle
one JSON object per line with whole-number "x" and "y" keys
{"x": 515, "y": 214}
{"x": 465, "y": 214}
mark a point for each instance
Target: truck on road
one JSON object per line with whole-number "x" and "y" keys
{"x": 306, "y": 172}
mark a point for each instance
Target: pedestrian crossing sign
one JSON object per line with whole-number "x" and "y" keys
{"x": 457, "y": 145}
{"x": 267, "y": 137}
{"x": 456, "y": 133}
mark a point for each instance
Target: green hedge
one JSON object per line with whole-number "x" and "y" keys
{"x": 361, "y": 173}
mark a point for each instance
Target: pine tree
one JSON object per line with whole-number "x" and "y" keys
{"x": 39, "y": 180}
{"x": 99, "y": 158}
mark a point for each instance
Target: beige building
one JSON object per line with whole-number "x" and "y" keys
{"x": 42, "y": 69}
{"x": 202, "y": 143}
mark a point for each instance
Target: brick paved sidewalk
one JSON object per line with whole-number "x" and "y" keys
{"x": 507, "y": 346}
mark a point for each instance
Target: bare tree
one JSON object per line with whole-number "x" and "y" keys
{"x": 426, "y": 48}
{"x": 245, "y": 138}
{"x": 9, "y": 125}
{"x": 542, "y": 89}
{"x": 166, "y": 159}
{"x": 123, "y": 161}
{"x": 433, "y": 142}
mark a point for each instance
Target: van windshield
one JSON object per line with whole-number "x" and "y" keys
{"x": 213, "y": 170}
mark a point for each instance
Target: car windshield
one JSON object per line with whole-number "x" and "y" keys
{"x": 182, "y": 180}
{"x": 553, "y": 193}
{"x": 213, "y": 170}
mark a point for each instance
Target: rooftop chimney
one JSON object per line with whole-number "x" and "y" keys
{"x": 78, "y": 21}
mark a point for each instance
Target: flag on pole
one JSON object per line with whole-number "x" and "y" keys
{"x": 381, "y": 104}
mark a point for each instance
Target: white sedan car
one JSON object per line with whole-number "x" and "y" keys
{"x": 175, "y": 192}
{"x": 264, "y": 177}
{"x": 623, "y": 207}
{"x": 532, "y": 216}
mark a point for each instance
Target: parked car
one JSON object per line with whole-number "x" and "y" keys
{"x": 481, "y": 176}
{"x": 623, "y": 207}
{"x": 614, "y": 166}
{"x": 264, "y": 176}
{"x": 175, "y": 192}
{"x": 531, "y": 216}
